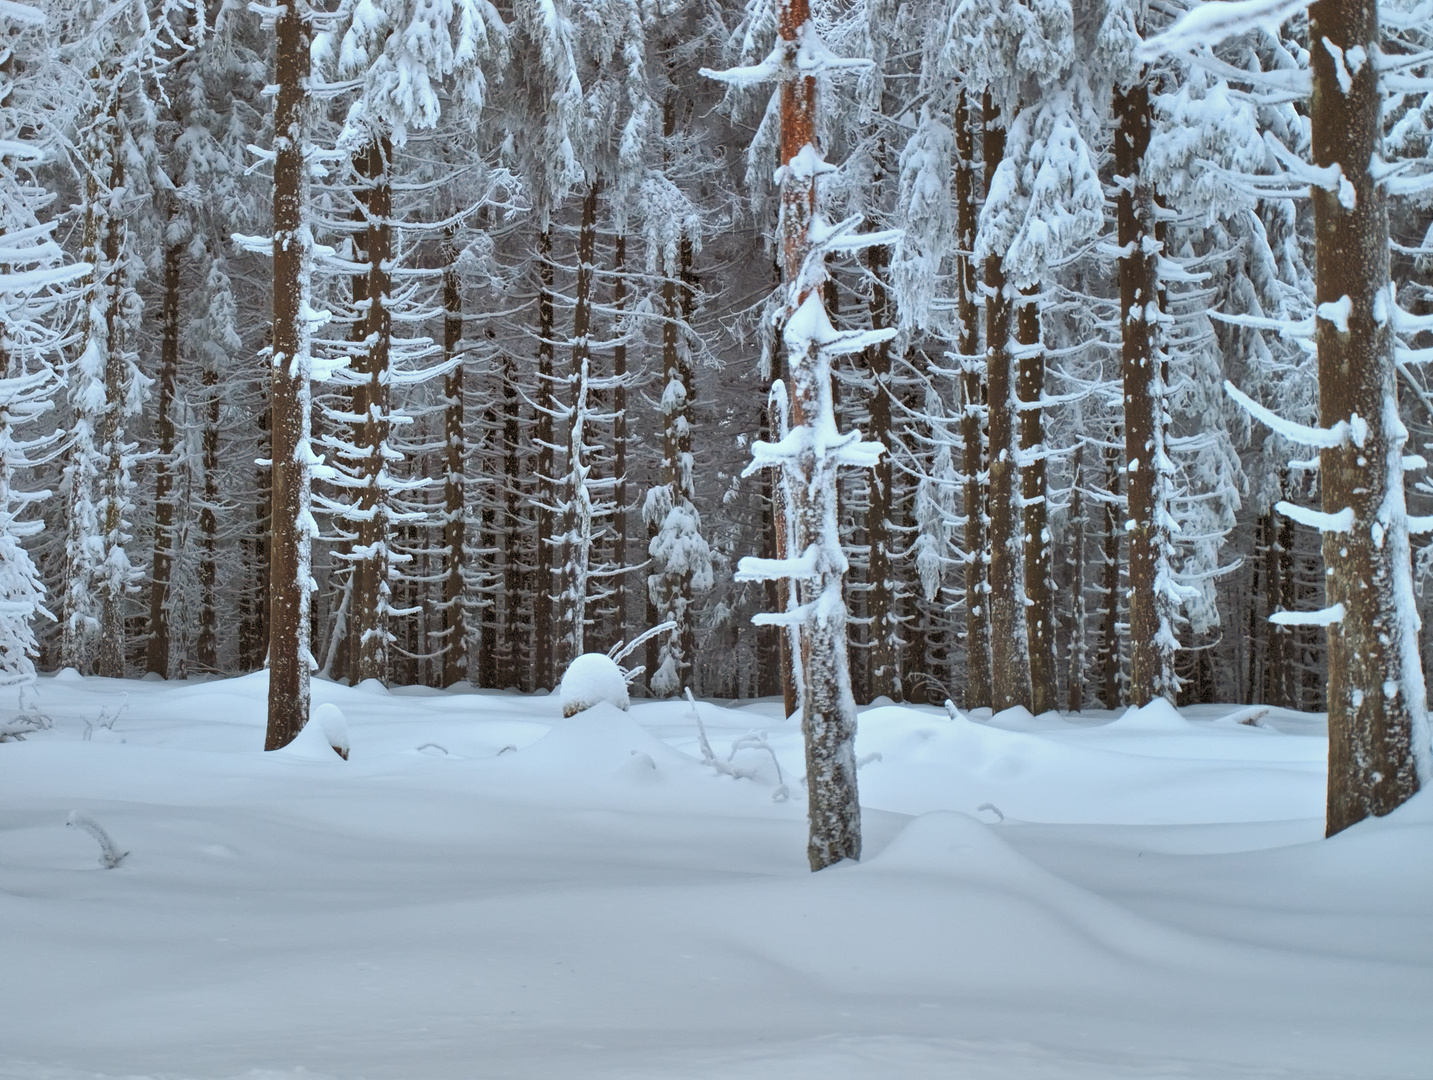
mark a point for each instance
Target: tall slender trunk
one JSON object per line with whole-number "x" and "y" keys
{"x": 109, "y": 659}
{"x": 972, "y": 389}
{"x": 620, "y": 514}
{"x": 1039, "y": 586}
{"x": 455, "y": 629}
{"x": 1110, "y": 586}
{"x": 371, "y": 603}
{"x": 1009, "y": 641}
{"x": 1151, "y": 614}
{"x": 547, "y": 401}
{"x": 1075, "y": 561}
{"x": 1377, "y": 711}
{"x": 206, "y": 647}
{"x": 576, "y": 537}
{"x": 512, "y": 638}
{"x": 882, "y": 618}
{"x": 289, "y": 389}
{"x": 157, "y": 647}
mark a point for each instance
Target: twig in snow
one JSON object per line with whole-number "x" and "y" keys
{"x": 723, "y": 767}
{"x": 992, "y": 808}
{"x": 756, "y": 740}
{"x": 28, "y": 719}
{"x": 110, "y": 856}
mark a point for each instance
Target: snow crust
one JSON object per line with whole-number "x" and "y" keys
{"x": 487, "y": 890}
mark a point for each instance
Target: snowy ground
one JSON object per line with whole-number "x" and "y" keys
{"x": 486, "y": 890}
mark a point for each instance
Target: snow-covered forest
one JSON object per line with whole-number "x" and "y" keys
{"x": 481, "y": 480}
{"x": 1029, "y": 353}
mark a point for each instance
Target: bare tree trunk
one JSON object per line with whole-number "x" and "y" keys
{"x": 620, "y": 514}
{"x": 1039, "y": 587}
{"x": 1151, "y": 614}
{"x": 109, "y": 659}
{"x": 977, "y": 595}
{"x": 1075, "y": 677}
{"x": 577, "y": 513}
{"x": 368, "y": 611}
{"x": 1378, "y": 726}
{"x": 455, "y": 628}
{"x": 512, "y": 638}
{"x": 547, "y": 401}
{"x": 206, "y": 648}
{"x": 157, "y": 647}
{"x": 289, "y": 389}
{"x": 1009, "y": 641}
{"x": 1110, "y": 588}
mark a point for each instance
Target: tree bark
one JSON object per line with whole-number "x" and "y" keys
{"x": 1075, "y": 673}
{"x": 1151, "y": 614}
{"x": 1110, "y": 587}
{"x": 1378, "y": 727}
{"x": 620, "y": 512}
{"x": 1009, "y": 641}
{"x": 157, "y": 647}
{"x": 543, "y": 627}
{"x": 1039, "y": 587}
{"x": 455, "y": 627}
{"x": 972, "y": 386}
{"x": 289, "y": 389}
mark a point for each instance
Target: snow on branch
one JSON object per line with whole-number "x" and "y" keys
{"x": 1323, "y": 438}
{"x": 1324, "y": 617}
{"x": 1213, "y": 22}
{"x": 752, "y": 568}
{"x": 1341, "y": 522}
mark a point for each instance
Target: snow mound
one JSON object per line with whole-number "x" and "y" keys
{"x": 1158, "y": 715}
{"x": 325, "y": 735}
{"x": 589, "y": 679}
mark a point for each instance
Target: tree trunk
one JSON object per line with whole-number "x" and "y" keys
{"x": 577, "y": 511}
{"x": 882, "y": 618}
{"x": 620, "y": 514}
{"x": 289, "y": 390}
{"x": 455, "y": 628}
{"x": 368, "y": 612}
{"x": 1151, "y": 614}
{"x": 1110, "y": 588}
{"x": 157, "y": 648}
{"x": 206, "y": 648}
{"x": 1039, "y": 586}
{"x": 1075, "y": 675}
{"x": 972, "y": 386}
{"x": 514, "y": 628}
{"x": 109, "y": 660}
{"x": 547, "y": 402}
{"x": 1378, "y": 727}
{"x": 1009, "y": 641}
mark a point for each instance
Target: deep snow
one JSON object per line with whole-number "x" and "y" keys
{"x": 487, "y": 890}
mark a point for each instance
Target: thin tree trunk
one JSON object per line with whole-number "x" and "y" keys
{"x": 547, "y": 401}
{"x": 1039, "y": 586}
{"x": 1075, "y": 677}
{"x": 1378, "y": 726}
{"x": 882, "y": 618}
{"x": 972, "y": 385}
{"x": 455, "y": 629}
{"x": 1151, "y": 615}
{"x": 109, "y": 660}
{"x": 207, "y": 646}
{"x": 620, "y": 515}
{"x": 289, "y": 390}
{"x": 1009, "y": 641}
{"x": 1110, "y": 588}
{"x": 371, "y": 600}
{"x": 157, "y": 648}
{"x": 512, "y": 639}
{"x": 577, "y": 516}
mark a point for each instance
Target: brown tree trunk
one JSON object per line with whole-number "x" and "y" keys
{"x": 1151, "y": 616}
{"x": 289, "y": 390}
{"x": 1075, "y": 673}
{"x": 1378, "y": 729}
{"x": 206, "y": 647}
{"x": 1009, "y": 641}
{"x": 972, "y": 387}
{"x": 368, "y": 610}
{"x": 455, "y": 628}
{"x": 1039, "y": 587}
{"x": 512, "y": 638}
{"x": 1110, "y": 588}
{"x": 620, "y": 514}
{"x": 157, "y": 647}
{"x": 109, "y": 659}
{"x": 543, "y": 627}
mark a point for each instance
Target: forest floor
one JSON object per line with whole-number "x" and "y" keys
{"x": 487, "y": 891}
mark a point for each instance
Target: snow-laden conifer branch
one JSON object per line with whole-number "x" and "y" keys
{"x": 1323, "y": 438}
{"x": 1207, "y": 24}
{"x": 1329, "y": 616}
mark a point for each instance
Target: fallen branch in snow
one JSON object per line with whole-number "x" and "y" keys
{"x": 28, "y": 719}
{"x": 756, "y": 740}
{"x": 110, "y": 856}
{"x": 723, "y": 767}
{"x": 992, "y": 808}
{"x": 105, "y": 720}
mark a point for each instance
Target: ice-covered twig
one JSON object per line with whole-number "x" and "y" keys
{"x": 992, "y": 808}
{"x": 620, "y": 652}
{"x": 756, "y": 740}
{"x": 110, "y": 856}
{"x": 723, "y": 767}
